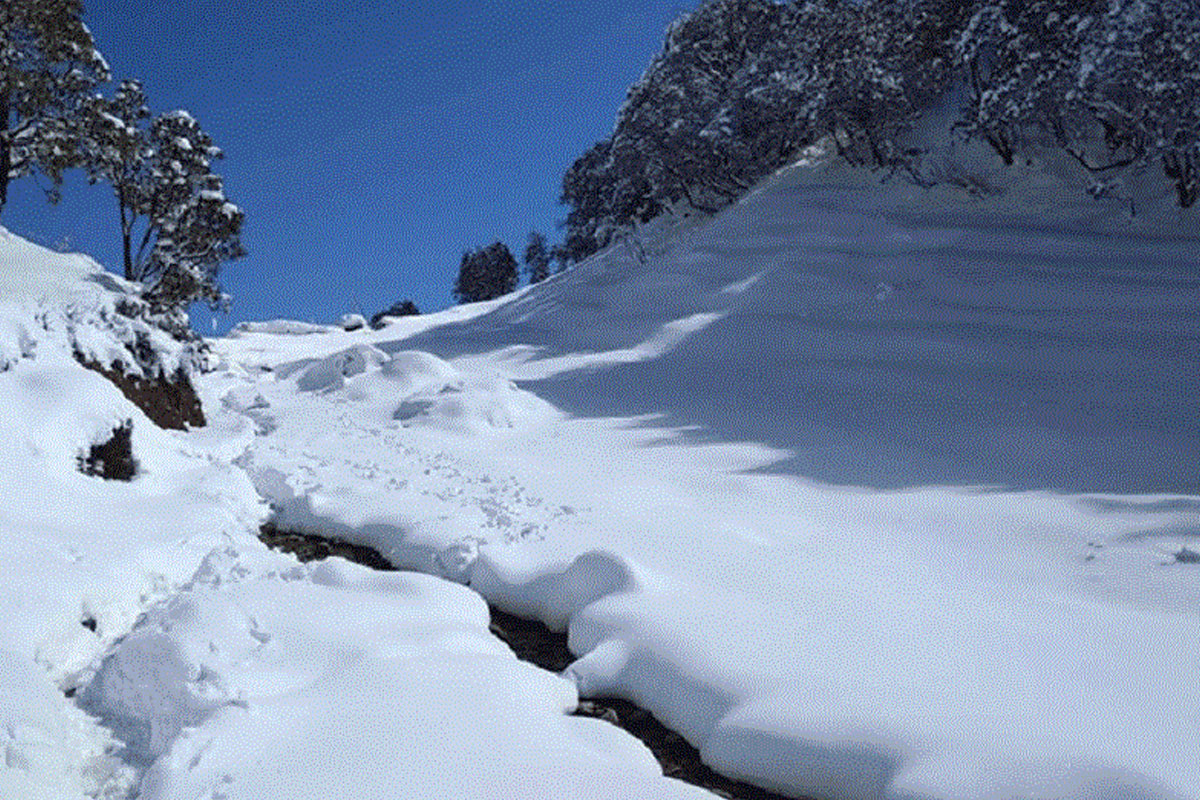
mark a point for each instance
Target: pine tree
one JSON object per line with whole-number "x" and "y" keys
{"x": 537, "y": 258}
{"x": 49, "y": 65}
{"x": 486, "y": 274}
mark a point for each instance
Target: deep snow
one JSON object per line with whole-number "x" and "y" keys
{"x": 864, "y": 500}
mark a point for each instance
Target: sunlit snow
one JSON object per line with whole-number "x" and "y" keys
{"x": 864, "y": 500}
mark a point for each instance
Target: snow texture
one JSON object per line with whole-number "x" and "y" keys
{"x": 866, "y": 500}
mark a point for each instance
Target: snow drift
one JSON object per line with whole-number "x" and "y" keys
{"x": 867, "y": 494}
{"x": 703, "y": 510}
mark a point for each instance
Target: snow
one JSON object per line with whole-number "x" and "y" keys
{"x": 350, "y": 322}
{"x": 865, "y": 497}
{"x": 154, "y": 648}
{"x": 29, "y": 272}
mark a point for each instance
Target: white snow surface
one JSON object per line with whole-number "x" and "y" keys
{"x": 865, "y": 500}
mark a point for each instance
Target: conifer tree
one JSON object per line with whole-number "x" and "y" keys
{"x": 537, "y": 258}
{"x": 486, "y": 274}
{"x": 49, "y": 65}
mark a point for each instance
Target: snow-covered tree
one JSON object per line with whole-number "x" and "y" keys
{"x": 1022, "y": 62}
{"x": 679, "y": 117}
{"x": 49, "y": 66}
{"x": 485, "y": 274}
{"x": 193, "y": 240}
{"x": 608, "y": 190}
{"x": 1111, "y": 83}
{"x": 1139, "y": 77}
{"x": 116, "y": 144}
{"x": 537, "y": 258}
{"x": 161, "y": 173}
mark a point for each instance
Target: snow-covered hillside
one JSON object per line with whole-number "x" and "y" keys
{"x": 865, "y": 501}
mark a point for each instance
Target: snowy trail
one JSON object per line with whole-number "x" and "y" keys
{"x": 153, "y": 648}
{"x": 675, "y": 454}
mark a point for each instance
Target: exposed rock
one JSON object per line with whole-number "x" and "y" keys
{"x": 307, "y": 547}
{"x": 111, "y": 460}
{"x": 169, "y": 401}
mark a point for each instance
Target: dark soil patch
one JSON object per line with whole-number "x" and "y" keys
{"x": 169, "y": 401}
{"x": 678, "y": 758}
{"x": 534, "y": 642}
{"x": 111, "y": 460}
{"x": 307, "y": 547}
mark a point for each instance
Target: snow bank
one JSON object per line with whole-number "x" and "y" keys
{"x": 84, "y": 556}
{"x": 864, "y": 500}
{"x": 347, "y": 680}
{"x": 154, "y": 648}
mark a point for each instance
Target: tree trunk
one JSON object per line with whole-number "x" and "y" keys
{"x": 5, "y": 149}
{"x": 126, "y": 230}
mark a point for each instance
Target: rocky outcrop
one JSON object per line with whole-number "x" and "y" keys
{"x": 169, "y": 400}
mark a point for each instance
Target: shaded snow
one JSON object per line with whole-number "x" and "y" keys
{"x": 864, "y": 501}
{"x": 706, "y": 518}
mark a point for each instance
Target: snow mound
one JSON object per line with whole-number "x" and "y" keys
{"x": 381, "y": 680}
{"x": 280, "y": 327}
{"x": 419, "y": 388}
{"x": 330, "y": 373}
{"x": 352, "y": 322}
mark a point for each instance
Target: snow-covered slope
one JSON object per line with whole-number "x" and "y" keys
{"x": 83, "y": 556}
{"x": 867, "y": 495}
{"x": 885, "y": 344}
{"x": 153, "y": 648}
{"x": 676, "y": 451}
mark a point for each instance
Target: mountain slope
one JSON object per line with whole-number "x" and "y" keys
{"x": 883, "y": 345}
{"x": 674, "y": 452}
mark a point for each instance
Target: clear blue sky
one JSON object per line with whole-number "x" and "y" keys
{"x": 369, "y": 141}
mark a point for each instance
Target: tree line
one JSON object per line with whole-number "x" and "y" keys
{"x": 489, "y": 272}
{"x": 177, "y": 227}
{"x": 741, "y": 86}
